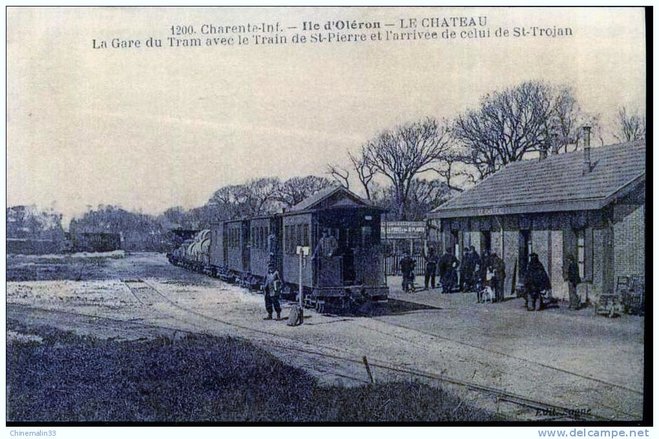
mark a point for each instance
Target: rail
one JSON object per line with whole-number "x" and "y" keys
{"x": 343, "y": 355}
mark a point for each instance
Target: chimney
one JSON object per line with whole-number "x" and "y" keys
{"x": 587, "y": 165}
{"x": 554, "y": 143}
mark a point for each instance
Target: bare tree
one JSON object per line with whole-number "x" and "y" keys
{"x": 405, "y": 152}
{"x": 227, "y": 202}
{"x": 514, "y": 122}
{"x": 424, "y": 196}
{"x": 447, "y": 169}
{"x": 261, "y": 196}
{"x": 566, "y": 120}
{"x": 34, "y": 223}
{"x": 340, "y": 174}
{"x": 629, "y": 126}
{"x": 173, "y": 218}
{"x": 364, "y": 168}
{"x": 256, "y": 197}
{"x": 296, "y": 189}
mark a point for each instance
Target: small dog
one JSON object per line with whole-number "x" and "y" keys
{"x": 487, "y": 295}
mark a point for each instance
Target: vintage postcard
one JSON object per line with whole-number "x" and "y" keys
{"x": 328, "y": 216}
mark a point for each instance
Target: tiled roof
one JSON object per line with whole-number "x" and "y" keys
{"x": 556, "y": 183}
{"x": 312, "y": 201}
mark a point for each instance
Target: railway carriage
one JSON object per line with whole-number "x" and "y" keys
{"x": 237, "y": 242}
{"x": 217, "y": 251}
{"x": 264, "y": 244}
{"x": 353, "y": 272}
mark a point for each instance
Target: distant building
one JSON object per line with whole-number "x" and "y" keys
{"x": 33, "y": 231}
{"x": 589, "y": 203}
{"x": 96, "y": 242}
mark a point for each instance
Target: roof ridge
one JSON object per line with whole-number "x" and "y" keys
{"x": 556, "y": 180}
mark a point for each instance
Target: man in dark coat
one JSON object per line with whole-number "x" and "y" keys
{"x": 536, "y": 281}
{"x": 498, "y": 267}
{"x": 447, "y": 271}
{"x": 271, "y": 291}
{"x": 464, "y": 269}
{"x": 327, "y": 245}
{"x": 407, "y": 265}
{"x": 475, "y": 261}
{"x": 431, "y": 267}
{"x": 571, "y": 275}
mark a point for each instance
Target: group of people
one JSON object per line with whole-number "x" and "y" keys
{"x": 537, "y": 286}
{"x": 469, "y": 275}
{"x": 475, "y": 273}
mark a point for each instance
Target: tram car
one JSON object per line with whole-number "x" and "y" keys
{"x": 344, "y": 265}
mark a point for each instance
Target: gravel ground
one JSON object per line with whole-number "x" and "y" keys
{"x": 576, "y": 360}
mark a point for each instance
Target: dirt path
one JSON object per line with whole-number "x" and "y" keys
{"x": 524, "y": 354}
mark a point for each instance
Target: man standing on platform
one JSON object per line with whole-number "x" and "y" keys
{"x": 499, "y": 269}
{"x": 431, "y": 267}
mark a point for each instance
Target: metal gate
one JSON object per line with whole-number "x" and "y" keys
{"x": 392, "y": 265}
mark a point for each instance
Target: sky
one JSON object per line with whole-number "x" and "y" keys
{"x": 149, "y": 129}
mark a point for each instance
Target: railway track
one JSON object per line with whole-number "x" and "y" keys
{"x": 614, "y": 387}
{"x": 144, "y": 290}
{"x": 526, "y": 360}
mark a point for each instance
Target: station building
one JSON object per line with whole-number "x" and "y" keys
{"x": 589, "y": 203}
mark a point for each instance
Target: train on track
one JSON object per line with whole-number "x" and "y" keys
{"x": 330, "y": 244}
